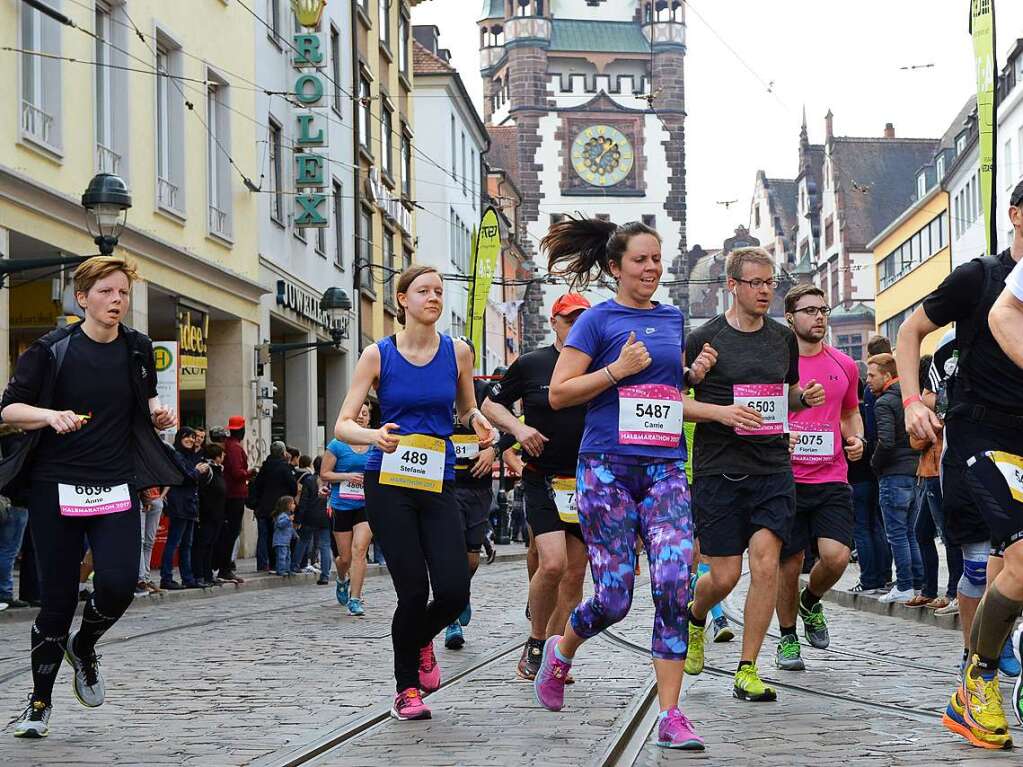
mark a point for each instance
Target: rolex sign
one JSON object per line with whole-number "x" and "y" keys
{"x": 313, "y": 130}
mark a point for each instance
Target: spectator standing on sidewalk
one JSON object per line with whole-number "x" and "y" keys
{"x": 282, "y": 518}
{"x": 895, "y": 462}
{"x": 13, "y": 520}
{"x": 212, "y": 501}
{"x": 152, "y": 502}
{"x": 312, "y": 522}
{"x": 236, "y": 477}
{"x": 274, "y": 479}
{"x": 182, "y": 510}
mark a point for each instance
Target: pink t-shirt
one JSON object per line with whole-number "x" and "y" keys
{"x": 819, "y": 455}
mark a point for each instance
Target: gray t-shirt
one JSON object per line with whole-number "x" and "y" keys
{"x": 767, "y": 356}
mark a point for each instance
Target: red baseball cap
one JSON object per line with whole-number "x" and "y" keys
{"x": 236, "y": 422}
{"x": 569, "y": 303}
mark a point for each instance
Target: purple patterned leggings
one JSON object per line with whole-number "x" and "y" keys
{"x": 620, "y": 497}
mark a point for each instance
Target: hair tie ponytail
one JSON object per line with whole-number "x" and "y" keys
{"x": 585, "y": 248}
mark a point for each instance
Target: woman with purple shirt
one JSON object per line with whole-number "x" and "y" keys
{"x": 623, "y": 358}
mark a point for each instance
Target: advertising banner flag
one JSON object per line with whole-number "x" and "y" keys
{"x": 486, "y": 249}
{"x": 982, "y": 28}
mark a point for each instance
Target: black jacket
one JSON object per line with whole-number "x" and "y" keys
{"x": 213, "y": 495}
{"x": 34, "y": 379}
{"x": 274, "y": 479}
{"x": 183, "y": 501}
{"x": 312, "y": 509}
{"x": 892, "y": 454}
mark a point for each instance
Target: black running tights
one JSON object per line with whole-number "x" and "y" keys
{"x": 422, "y": 540}
{"x": 115, "y": 540}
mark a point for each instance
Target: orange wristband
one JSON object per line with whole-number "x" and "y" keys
{"x": 910, "y": 400}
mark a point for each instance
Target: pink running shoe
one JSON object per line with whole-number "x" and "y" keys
{"x": 674, "y": 730}
{"x": 429, "y": 671}
{"x": 549, "y": 684}
{"x": 408, "y": 704}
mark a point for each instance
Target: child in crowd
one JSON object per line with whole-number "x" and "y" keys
{"x": 284, "y": 532}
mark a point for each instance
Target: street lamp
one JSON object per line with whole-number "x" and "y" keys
{"x": 107, "y": 202}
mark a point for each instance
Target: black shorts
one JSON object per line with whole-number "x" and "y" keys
{"x": 730, "y": 509}
{"x": 823, "y": 510}
{"x": 474, "y": 506}
{"x": 963, "y": 521}
{"x": 541, "y": 511}
{"x": 345, "y": 520}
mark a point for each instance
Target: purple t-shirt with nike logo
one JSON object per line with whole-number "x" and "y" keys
{"x": 644, "y": 427}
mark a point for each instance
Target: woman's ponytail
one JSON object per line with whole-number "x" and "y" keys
{"x": 585, "y": 248}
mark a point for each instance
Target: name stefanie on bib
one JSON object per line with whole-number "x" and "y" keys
{"x": 649, "y": 414}
{"x": 417, "y": 464}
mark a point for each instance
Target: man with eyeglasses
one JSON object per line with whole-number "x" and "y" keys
{"x": 984, "y": 419}
{"x": 743, "y": 490}
{"x": 827, "y": 437}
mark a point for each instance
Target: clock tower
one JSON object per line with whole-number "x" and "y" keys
{"x": 585, "y": 102}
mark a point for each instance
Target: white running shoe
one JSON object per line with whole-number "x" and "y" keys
{"x": 34, "y": 721}
{"x": 897, "y": 596}
{"x": 88, "y": 681}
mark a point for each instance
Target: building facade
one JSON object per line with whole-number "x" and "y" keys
{"x": 168, "y": 107}
{"x": 595, "y": 96}
{"x": 300, "y": 391}
{"x": 450, "y": 179}
{"x": 385, "y": 239}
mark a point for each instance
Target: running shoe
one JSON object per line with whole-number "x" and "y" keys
{"x": 408, "y": 705}
{"x": 454, "y": 639}
{"x": 749, "y": 687}
{"x": 674, "y": 730}
{"x": 34, "y": 721}
{"x": 982, "y": 701}
{"x": 342, "y": 590}
{"x": 815, "y": 626}
{"x": 897, "y": 596}
{"x": 88, "y": 681}
{"x": 466, "y": 615}
{"x": 549, "y": 684}
{"x": 694, "y": 655}
{"x": 787, "y": 658}
{"x": 429, "y": 670}
{"x": 1007, "y": 663}
{"x": 954, "y": 720}
{"x": 951, "y": 609}
{"x": 1017, "y": 686}
{"x": 529, "y": 663}
{"x": 722, "y": 630}
{"x": 355, "y": 607}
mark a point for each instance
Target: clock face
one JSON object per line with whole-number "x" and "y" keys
{"x": 602, "y": 155}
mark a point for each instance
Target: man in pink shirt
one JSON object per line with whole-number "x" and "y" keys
{"x": 826, "y": 437}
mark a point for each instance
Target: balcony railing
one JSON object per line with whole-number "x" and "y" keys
{"x": 665, "y": 32}
{"x": 107, "y": 160}
{"x": 166, "y": 193}
{"x": 36, "y": 122}
{"x": 220, "y": 223}
{"x": 529, "y": 27}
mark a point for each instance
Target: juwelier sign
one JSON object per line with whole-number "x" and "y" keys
{"x": 309, "y": 58}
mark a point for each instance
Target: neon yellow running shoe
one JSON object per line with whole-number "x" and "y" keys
{"x": 749, "y": 687}
{"x": 982, "y": 699}
{"x": 954, "y": 720}
{"x": 694, "y": 653}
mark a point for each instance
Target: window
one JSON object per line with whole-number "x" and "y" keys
{"x": 406, "y": 166}
{"x": 321, "y": 241}
{"x": 276, "y": 188}
{"x": 40, "y": 78}
{"x": 403, "y": 28}
{"x": 960, "y": 143}
{"x": 834, "y": 283}
{"x": 385, "y": 22}
{"x": 829, "y": 232}
{"x": 365, "y": 247}
{"x": 454, "y": 157}
{"x": 335, "y": 65}
{"x": 1009, "y": 169}
{"x": 170, "y": 129}
{"x": 389, "y": 299}
{"x": 107, "y": 160}
{"x": 852, "y": 345}
{"x": 756, "y": 215}
{"x": 273, "y": 20}
{"x": 364, "y": 114}
{"x": 939, "y": 168}
{"x": 386, "y": 143}
{"x": 463, "y": 162}
{"x": 218, "y": 167}
{"x": 921, "y": 185}
{"x": 337, "y": 197}
{"x": 472, "y": 177}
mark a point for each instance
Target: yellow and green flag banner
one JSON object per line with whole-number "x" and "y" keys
{"x": 486, "y": 248}
{"x": 982, "y": 28}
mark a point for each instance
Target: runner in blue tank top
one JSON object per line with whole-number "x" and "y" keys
{"x": 623, "y": 358}
{"x": 419, "y": 376}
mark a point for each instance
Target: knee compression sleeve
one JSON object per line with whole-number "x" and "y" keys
{"x": 974, "y": 577}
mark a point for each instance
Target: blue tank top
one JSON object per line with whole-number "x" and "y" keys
{"x": 348, "y": 462}
{"x": 419, "y": 398}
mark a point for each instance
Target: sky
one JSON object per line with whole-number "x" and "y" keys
{"x": 751, "y": 67}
